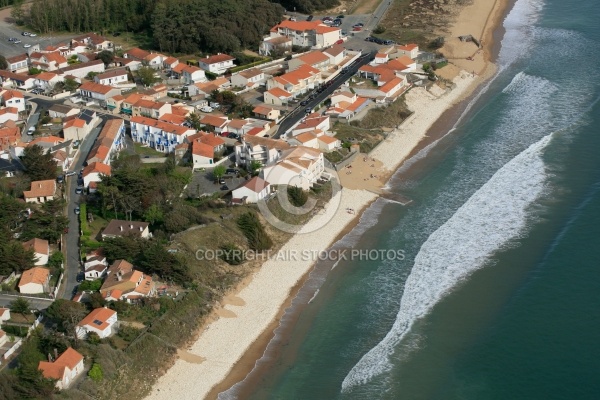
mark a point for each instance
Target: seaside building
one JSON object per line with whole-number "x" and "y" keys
{"x": 299, "y": 166}
{"x": 65, "y": 369}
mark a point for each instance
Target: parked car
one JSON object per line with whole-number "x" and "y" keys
{"x": 340, "y": 16}
{"x": 77, "y": 210}
{"x": 303, "y": 102}
{"x": 79, "y": 190}
{"x": 76, "y": 143}
{"x": 31, "y": 130}
{"x": 25, "y": 33}
{"x": 224, "y": 187}
{"x": 310, "y": 18}
{"x": 225, "y": 134}
{"x": 16, "y": 41}
{"x": 231, "y": 171}
{"x": 60, "y": 179}
{"x": 221, "y": 181}
{"x": 215, "y": 105}
{"x": 357, "y": 29}
{"x": 206, "y": 109}
{"x": 70, "y": 173}
{"x": 308, "y": 110}
{"x": 340, "y": 41}
{"x": 27, "y": 45}
{"x": 32, "y": 35}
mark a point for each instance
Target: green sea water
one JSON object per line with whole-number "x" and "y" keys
{"x": 498, "y": 294}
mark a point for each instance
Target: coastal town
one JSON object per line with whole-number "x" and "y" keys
{"x": 119, "y": 165}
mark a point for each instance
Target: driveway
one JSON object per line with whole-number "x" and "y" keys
{"x": 71, "y": 239}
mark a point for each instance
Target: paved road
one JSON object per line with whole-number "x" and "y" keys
{"x": 71, "y": 239}
{"x": 36, "y": 303}
{"x": 300, "y": 111}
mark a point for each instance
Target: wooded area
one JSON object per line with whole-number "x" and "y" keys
{"x": 175, "y": 26}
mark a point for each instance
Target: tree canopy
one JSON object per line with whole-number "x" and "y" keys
{"x": 38, "y": 165}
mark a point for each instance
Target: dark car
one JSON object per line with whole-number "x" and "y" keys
{"x": 340, "y": 16}
{"x": 308, "y": 110}
{"x": 231, "y": 171}
{"x": 60, "y": 179}
{"x": 310, "y": 18}
{"x": 77, "y": 210}
{"x": 303, "y": 102}
{"x": 80, "y": 277}
{"x": 79, "y": 190}
{"x": 224, "y": 187}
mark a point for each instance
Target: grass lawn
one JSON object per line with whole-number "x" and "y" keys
{"x": 146, "y": 151}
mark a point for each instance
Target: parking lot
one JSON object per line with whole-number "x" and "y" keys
{"x": 203, "y": 184}
{"x": 10, "y": 30}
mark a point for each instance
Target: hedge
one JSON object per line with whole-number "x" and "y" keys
{"x": 254, "y": 64}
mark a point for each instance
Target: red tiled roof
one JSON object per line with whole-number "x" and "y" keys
{"x": 202, "y": 149}
{"x": 97, "y": 167}
{"x": 217, "y": 58}
{"x": 37, "y": 275}
{"x": 96, "y": 87}
{"x": 102, "y": 315}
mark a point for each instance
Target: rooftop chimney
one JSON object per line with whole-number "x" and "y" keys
{"x": 141, "y": 229}
{"x": 130, "y": 226}
{"x": 121, "y": 228}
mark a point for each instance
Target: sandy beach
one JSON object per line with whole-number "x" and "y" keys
{"x": 245, "y": 314}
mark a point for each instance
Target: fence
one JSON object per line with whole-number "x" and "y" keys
{"x": 14, "y": 348}
{"x": 55, "y": 292}
{"x": 349, "y": 158}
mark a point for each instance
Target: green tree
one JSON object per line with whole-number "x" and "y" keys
{"x": 297, "y": 196}
{"x": 232, "y": 254}
{"x": 66, "y": 314}
{"x": 93, "y": 286}
{"x": 20, "y": 306}
{"x": 95, "y": 373}
{"x": 258, "y": 239}
{"x": 32, "y": 384}
{"x": 38, "y": 164}
{"x": 3, "y": 62}
{"x": 194, "y": 120}
{"x": 154, "y": 214}
{"x": 96, "y": 300}
{"x": 106, "y": 56}
{"x": 255, "y": 167}
{"x": 146, "y": 75}
{"x": 218, "y": 172}
{"x": 17, "y": 13}
{"x": 70, "y": 84}
{"x": 55, "y": 261}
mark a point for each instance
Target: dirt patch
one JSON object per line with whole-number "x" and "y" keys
{"x": 365, "y": 6}
{"x": 189, "y": 357}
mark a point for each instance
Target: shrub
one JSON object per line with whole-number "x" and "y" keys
{"x": 379, "y": 29}
{"x": 232, "y": 254}
{"x": 128, "y": 333}
{"x": 297, "y": 196}
{"x": 258, "y": 239}
{"x": 95, "y": 373}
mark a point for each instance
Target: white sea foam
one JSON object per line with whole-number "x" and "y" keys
{"x": 494, "y": 215}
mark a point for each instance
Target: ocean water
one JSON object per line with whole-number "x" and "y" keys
{"x": 497, "y": 296}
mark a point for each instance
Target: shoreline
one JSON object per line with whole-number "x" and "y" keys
{"x": 221, "y": 367}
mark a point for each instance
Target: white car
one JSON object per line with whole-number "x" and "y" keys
{"x": 27, "y": 45}
{"x": 31, "y": 130}
{"x": 32, "y": 35}
{"x": 206, "y": 109}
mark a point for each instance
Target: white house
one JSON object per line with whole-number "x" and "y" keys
{"x": 82, "y": 70}
{"x": 4, "y": 314}
{"x": 35, "y": 280}
{"x": 311, "y": 122}
{"x": 336, "y": 54}
{"x": 202, "y": 155}
{"x": 299, "y": 166}
{"x": 98, "y": 92}
{"x": 18, "y": 64}
{"x": 93, "y": 173}
{"x": 95, "y": 271}
{"x": 40, "y": 191}
{"x": 13, "y": 98}
{"x": 266, "y": 112}
{"x": 95, "y": 257}
{"x": 47, "y": 80}
{"x": 62, "y": 111}
{"x": 252, "y": 191}
{"x": 65, "y": 369}
{"x": 8, "y": 114}
{"x": 301, "y": 80}
{"x": 114, "y": 77}
{"x": 41, "y": 250}
{"x": 118, "y": 228}
{"x": 248, "y": 79}
{"x": 191, "y": 75}
{"x": 21, "y": 81}
{"x": 410, "y": 50}
{"x": 270, "y": 44}
{"x": 102, "y": 321}
{"x": 217, "y": 64}
{"x": 277, "y": 96}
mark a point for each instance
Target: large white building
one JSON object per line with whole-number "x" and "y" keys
{"x": 255, "y": 149}
{"x": 300, "y": 166}
{"x": 314, "y": 34}
{"x": 159, "y": 135}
